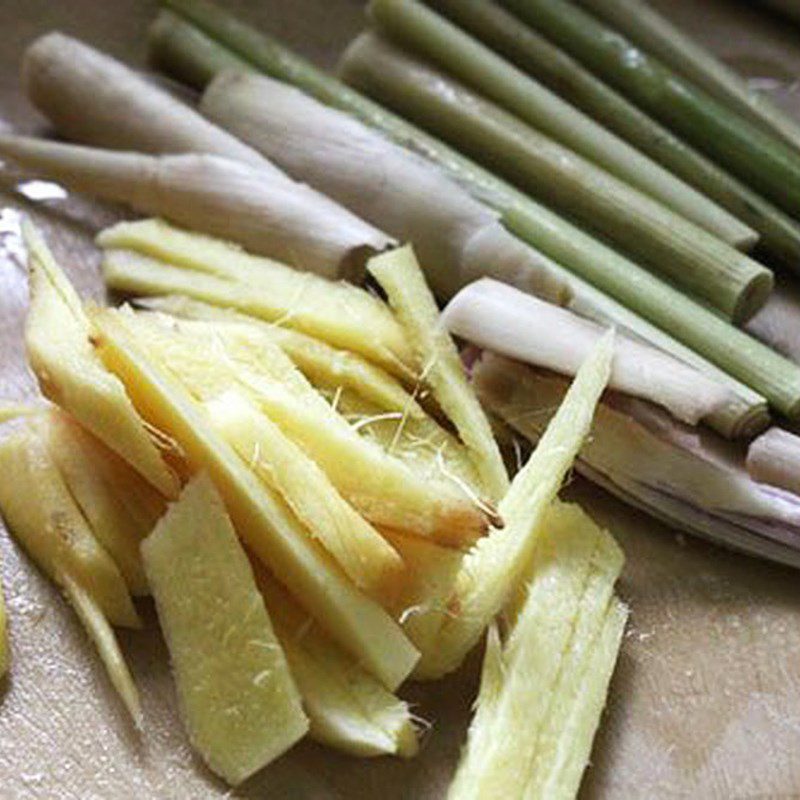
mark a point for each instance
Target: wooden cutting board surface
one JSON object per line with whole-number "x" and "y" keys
{"x": 705, "y": 702}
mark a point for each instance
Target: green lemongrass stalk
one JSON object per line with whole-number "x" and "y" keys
{"x": 433, "y": 37}
{"x": 532, "y": 52}
{"x": 458, "y": 238}
{"x": 268, "y": 215}
{"x": 657, "y": 35}
{"x": 766, "y": 163}
{"x": 605, "y": 271}
{"x": 688, "y": 255}
{"x": 186, "y": 52}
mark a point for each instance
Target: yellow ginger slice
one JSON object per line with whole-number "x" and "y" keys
{"x": 534, "y": 687}
{"x": 239, "y": 703}
{"x": 497, "y": 564}
{"x": 347, "y": 708}
{"x": 104, "y": 487}
{"x": 381, "y": 487}
{"x": 262, "y": 518}
{"x": 365, "y": 556}
{"x": 400, "y": 276}
{"x": 41, "y": 514}
{"x": 102, "y": 634}
{"x": 339, "y": 313}
{"x": 57, "y": 336}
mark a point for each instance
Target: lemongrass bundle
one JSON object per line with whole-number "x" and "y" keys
{"x": 685, "y": 476}
{"x": 659, "y": 36}
{"x": 555, "y": 68}
{"x": 424, "y": 32}
{"x": 766, "y": 162}
{"x": 458, "y": 239}
{"x": 501, "y": 319}
{"x": 655, "y": 309}
{"x": 774, "y": 458}
{"x": 266, "y": 213}
{"x": 685, "y": 253}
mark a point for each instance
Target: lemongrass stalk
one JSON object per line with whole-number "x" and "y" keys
{"x": 685, "y": 476}
{"x": 779, "y": 234}
{"x": 609, "y": 272}
{"x": 93, "y": 99}
{"x": 501, "y": 319}
{"x": 777, "y": 323}
{"x": 744, "y": 415}
{"x": 268, "y": 215}
{"x": 684, "y": 252}
{"x": 458, "y": 239}
{"x": 774, "y": 458}
{"x": 657, "y": 35}
{"x": 187, "y": 53}
{"x": 423, "y": 31}
{"x": 767, "y": 164}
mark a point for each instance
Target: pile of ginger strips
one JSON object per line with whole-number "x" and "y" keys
{"x": 303, "y": 479}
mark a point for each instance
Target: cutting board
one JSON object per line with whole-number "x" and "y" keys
{"x": 705, "y": 702}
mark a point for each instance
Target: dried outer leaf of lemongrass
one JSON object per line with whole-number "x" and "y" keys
{"x": 501, "y": 319}
{"x": 324, "y": 365}
{"x": 774, "y": 458}
{"x": 347, "y": 708}
{"x": 266, "y": 524}
{"x": 400, "y": 277}
{"x": 239, "y": 702}
{"x": 466, "y": 58}
{"x": 457, "y": 238}
{"x": 687, "y": 476}
{"x": 533, "y": 685}
{"x": 267, "y": 214}
{"x": 495, "y": 566}
{"x": 102, "y": 634}
{"x": 341, "y": 314}
{"x": 41, "y": 514}
{"x": 93, "y": 99}
{"x": 57, "y": 339}
{"x": 381, "y": 487}
{"x": 365, "y": 556}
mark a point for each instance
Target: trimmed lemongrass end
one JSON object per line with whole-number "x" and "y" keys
{"x": 401, "y": 278}
{"x": 685, "y": 253}
{"x": 774, "y": 458}
{"x": 186, "y": 53}
{"x": 467, "y": 59}
{"x": 93, "y": 99}
{"x": 264, "y": 212}
{"x": 457, "y": 237}
{"x": 506, "y": 321}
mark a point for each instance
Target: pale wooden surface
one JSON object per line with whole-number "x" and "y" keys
{"x": 706, "y": 698}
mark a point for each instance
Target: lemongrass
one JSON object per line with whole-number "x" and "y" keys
{"x": 93, "y": 99}
{"x": 686, "y": 476}
{"x": 774, "y": 458}
{"x": 530, "y": 51}
{"x": 506, "y": 321}
{"x": 684, "y": 252}
{"x": 666, "y": 41}
{"x": 187, "y": 53}
{"x": 766, "y": 163}
{"x": 458, "y": 239}
{"x": 433, "y": 37}
{"x": 267, "y": 214}
{"x": 658, "y": 305}
{"x": 743, "y": 416}
{"x": 777, "y": 322}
